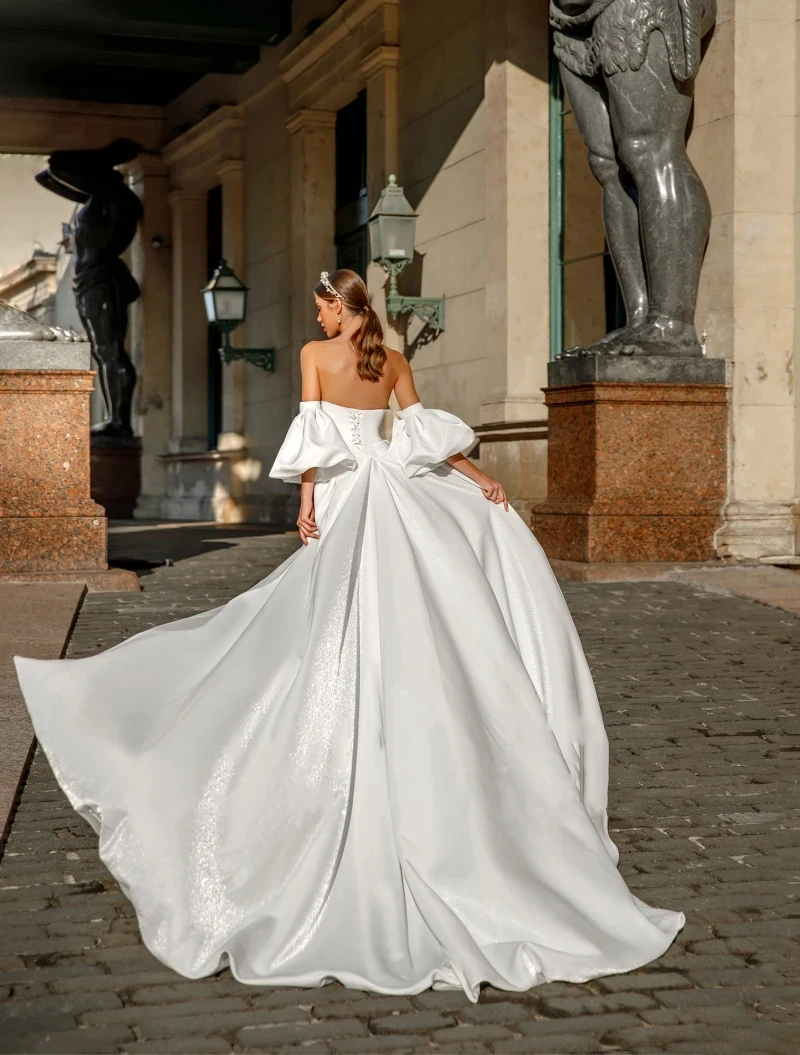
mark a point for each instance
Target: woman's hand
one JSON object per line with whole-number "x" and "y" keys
{"x": 493, "y": 490}
{"x": 306, "y": 524}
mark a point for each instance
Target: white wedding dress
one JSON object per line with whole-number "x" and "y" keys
{"x": 384, "y": 764}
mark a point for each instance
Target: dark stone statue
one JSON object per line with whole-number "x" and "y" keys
{"x": 103, "y": 285}
{"x": 628, "y": 67}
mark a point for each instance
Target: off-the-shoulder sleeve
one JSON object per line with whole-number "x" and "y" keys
{"x": 424, "y": 438}
{"x": 312, "y": 441}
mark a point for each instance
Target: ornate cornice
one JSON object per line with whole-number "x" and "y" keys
{"x": 306, "y": 119}
{"x": 333, "y": 31}
{"x": 386, "y": 57}
{"x": 219, "y": 134}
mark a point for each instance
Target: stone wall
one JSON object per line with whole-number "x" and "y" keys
{"x": 584, "y": 242}
{"x": 441, "y": 127}
{"x": 268, "y": 397}
{"x": 744, "y": 143}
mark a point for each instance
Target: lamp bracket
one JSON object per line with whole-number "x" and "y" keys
{"x": 263, "y": 357}
{"x": 429, "y": 309}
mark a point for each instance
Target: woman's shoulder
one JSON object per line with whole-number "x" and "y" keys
{"x": 396, "y": 360}
{"x": 309, "y": 350}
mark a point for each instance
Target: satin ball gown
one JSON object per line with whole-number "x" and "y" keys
{"x": 384, "y": 764}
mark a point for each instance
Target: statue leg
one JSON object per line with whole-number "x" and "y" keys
{"x": 649, "y": 113}
{"x": 116, "y": 372}
{"x": 98, "y": 362}
{"x": 620, "y": 214}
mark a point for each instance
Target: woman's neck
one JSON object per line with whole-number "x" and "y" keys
{"x": 352, "y": 328}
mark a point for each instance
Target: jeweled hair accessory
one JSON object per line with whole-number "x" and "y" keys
{"x": 326, "y": 282}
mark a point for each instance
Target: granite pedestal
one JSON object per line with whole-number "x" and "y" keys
{"x": 116, "y": 475}
{"x": 51, "y": 530}
{"x": 637, "y": 459}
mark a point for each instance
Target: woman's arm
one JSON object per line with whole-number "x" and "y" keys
{"x": 309, "y": 375}
{"x": 404, "y": 388}
{"x": 406, "y": 396}
{"x": 306, "y": 524}
{"x": 309, "y": 389}
{"x": 493, "y": 489}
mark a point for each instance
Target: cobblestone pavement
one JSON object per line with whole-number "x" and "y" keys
{"x": 699, "y": 692}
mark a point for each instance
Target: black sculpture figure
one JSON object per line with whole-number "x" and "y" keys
{"x": 628, "y": 67}
{"x": 103, "y": 285}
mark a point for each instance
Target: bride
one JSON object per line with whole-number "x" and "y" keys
{"x": 385, "y": 763}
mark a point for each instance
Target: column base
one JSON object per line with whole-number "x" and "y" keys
{"x": 206, "y": 485}
{"x": 273, "y": 509}
{"x": 148, "y": 507}
{"x": 758, "y": 529}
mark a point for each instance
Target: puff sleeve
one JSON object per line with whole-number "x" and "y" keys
{"x": 423, "y": 438}
{"x": 312, "y": 441}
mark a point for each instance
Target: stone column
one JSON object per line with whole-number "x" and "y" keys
{"x": 380, "y": 72}
{"x": 189, "y": 326}
{"x": 150, "y": 326}
{"x": 517, "y": 246}
{"x": 233, "y": 374}
{"x": 313, "y": 176}
{"x": 744, "y": 144}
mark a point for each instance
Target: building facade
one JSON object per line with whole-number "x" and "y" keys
{"x": 453, "y": 98}
{"x": 276, "y": 169}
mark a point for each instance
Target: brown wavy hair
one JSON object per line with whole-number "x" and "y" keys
{"x": 368, "y": 339}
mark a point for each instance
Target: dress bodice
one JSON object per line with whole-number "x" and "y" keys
{"x": 360, "y": 429}
{"x": 336, "y": 439}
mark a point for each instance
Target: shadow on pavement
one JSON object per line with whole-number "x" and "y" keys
{"x": 141, "y": 545}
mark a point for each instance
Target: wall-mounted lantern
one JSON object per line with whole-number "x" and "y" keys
{"x": 225, "y": 299}
{"x": 392, "y": 227}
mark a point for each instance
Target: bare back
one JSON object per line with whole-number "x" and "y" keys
{"x": 329, "y": 372}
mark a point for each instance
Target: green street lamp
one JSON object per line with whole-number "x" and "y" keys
{"x": 225, "y": 299}
{"x": 392, "y": 227}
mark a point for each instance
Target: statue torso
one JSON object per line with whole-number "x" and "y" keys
{"x": 103, "y": 229}
{"x": 613, "y": 35}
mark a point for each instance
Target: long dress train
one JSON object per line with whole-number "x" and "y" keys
{"x": 384, "y": 763}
